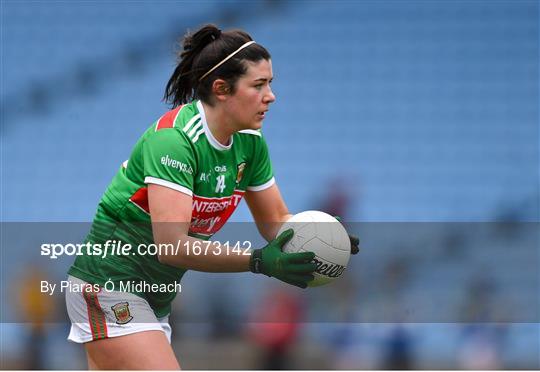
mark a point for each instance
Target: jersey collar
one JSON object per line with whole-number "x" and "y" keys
{"x": 213, "y": 141}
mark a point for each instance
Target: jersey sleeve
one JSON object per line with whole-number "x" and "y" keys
{"x": 263, "y": 174}
{"x": 169, "y": 161}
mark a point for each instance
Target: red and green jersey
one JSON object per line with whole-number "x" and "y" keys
{"x": 179, "y": 152}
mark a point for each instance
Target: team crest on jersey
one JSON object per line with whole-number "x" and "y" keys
{"x": 240, "y": 172}
{"x": 121, "y": 312}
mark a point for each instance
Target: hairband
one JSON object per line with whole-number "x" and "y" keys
{"x": 227, "y": 58}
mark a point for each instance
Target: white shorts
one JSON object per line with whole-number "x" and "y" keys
{"x": 97, "y": 314}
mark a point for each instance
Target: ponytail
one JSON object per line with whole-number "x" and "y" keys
{"x": 180, "y": 87}
{"x": 201, "y": 52}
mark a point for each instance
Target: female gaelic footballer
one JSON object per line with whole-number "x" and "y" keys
{"x": 184, "y": 178}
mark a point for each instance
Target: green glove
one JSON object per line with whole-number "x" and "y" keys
{"x": 353, "y": 238}
{"x": 292, "y": 268}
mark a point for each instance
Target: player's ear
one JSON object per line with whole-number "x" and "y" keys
{"x": 221, "y": 89}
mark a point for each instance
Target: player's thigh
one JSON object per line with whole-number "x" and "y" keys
{"x": 91, "y": 365}
{"x": 142, "y": 350}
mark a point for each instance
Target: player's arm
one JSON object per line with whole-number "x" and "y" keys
{"x": 268, "y": 209}
{"x": 170, "y": 208}
{"x": 170, "y": 211}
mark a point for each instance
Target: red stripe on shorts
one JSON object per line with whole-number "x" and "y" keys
{"x": 91, "y": 321}
{"x": 96, "y": 317}
{"x": 102, "y": 321}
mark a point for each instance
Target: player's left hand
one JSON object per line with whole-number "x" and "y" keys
{"x": 353, "y": 238}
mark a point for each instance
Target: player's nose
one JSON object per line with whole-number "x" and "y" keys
{"x": 269, "y": 97}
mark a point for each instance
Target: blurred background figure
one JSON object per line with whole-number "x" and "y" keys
{"x": 274, "y": 326}
{"x": 483, "y": 336}
{"x": 481, "y": 348}
{"x": 398, "y": 353}
{"x": 36, "y": 310}
{"x": 337, "y": 198}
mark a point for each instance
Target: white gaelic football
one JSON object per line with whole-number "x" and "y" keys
{"x": 323, "y": 235}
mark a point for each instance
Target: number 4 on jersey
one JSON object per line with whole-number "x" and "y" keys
{"x": 220, "y": 186}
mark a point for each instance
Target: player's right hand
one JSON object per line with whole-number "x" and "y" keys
{"x": 292, "y": 268}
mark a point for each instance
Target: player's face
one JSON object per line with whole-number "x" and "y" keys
{"x": 253, "y": 96}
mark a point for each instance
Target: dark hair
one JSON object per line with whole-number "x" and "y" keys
{"x": 203, "y": 50}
